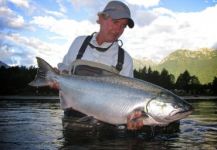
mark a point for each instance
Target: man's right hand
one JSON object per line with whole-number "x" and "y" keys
{"x": 133, "y": 121}
{"x": 54, "y": 84}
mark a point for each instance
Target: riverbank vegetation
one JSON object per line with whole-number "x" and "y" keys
{"x": 14, "y": 81}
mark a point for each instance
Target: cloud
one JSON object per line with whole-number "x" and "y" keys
{"x": 158, "y": 31}
{"x": 169, "y": 31}
{"x": 23, "y": 47}
{"x": 20, "y": 3}
{"x": 67, "y": 28}
{"x": 9, "y": 19}
{"x": 55, "y": 13}
{"x": 214, "y": 46}
{"x": 14, "y": 54}
{"x": 29, "y": 42}
{"x": 145, "y": 3}
{"x": 89, "y": 4}
{"x": 63, "y": 9}
{"x": 5, "y": 50}
{"x": 144, "y": 18}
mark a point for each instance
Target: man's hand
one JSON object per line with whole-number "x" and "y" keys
{"x": 55, "y": 85}
{"x": 133, "y": 120}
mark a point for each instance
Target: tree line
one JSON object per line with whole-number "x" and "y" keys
{"x": 14, "y": 81}
{"x": 185, "y": 84}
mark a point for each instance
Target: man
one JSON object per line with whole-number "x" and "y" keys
{"x": 102, "y": 48}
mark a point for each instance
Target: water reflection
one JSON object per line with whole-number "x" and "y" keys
{"x": 30, "y": 125}
{"x": 41, "y": 125}
{"x": 205, "y": 112}
{"x": 97, "y": 136}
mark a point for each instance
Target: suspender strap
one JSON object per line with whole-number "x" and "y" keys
{"x": 84, "y": 46}
{"x": 120, "y": 62}
{"x": 81, "y": 51}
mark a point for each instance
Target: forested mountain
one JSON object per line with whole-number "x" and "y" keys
{"x": 139, "y": 63}
{"x": 201, "y": 63}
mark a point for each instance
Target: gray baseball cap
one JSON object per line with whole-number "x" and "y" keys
{"x": 118, "y": 10}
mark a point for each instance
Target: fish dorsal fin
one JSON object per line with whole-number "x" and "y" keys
{"x": 42, "y": 71}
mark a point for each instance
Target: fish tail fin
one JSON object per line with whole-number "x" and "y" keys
{"x": 44, "y": 74}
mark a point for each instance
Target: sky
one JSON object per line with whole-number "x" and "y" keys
{"x": 46, "y": 28}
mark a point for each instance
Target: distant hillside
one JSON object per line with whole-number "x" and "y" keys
{"x": 139, "y": 63}
{"x": 3, "y": 64}
{"x": 201, "y": 63}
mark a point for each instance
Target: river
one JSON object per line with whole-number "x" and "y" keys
{"x": 39, "y": 124}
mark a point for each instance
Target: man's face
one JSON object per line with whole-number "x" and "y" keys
{"x": 112, "y": 29}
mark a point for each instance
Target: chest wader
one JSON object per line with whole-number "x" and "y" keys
{"x": 90, "y": 68}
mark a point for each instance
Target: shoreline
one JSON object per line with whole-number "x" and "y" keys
{"x": 199, "y": 97}
{"x": 19, "y": 97}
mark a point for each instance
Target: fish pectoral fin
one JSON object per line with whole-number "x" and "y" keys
{"x": 88, "y": 120}
{"x": 85, "y": 119}
{"x": 138, "y": 118}
{"x": 137, "y": 113}
{"x": 135, "y": 119}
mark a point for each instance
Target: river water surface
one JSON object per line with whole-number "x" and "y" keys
{"x": 36, "y": 124}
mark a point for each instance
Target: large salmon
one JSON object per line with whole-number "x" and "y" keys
{"x": 112, "y": 98}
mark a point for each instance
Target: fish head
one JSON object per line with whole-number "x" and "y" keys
{"x": 166, "y": 107}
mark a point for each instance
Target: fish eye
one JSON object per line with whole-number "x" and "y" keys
{"x": 176, "y": 106}
{"x": 162, "y": 94}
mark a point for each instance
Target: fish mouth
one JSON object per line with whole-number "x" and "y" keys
{"x": 182, "y": 111}
{"x": 178, "y": 114}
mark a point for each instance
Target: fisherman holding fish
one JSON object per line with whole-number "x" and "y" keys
{"x": 101, "y": 53}
{"x": 96, "y": 79}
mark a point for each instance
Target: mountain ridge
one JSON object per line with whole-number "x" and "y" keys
{"x": 201, "y": 63}
{"x": 2, "y": 64}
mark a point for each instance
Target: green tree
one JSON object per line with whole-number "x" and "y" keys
{"x": 166, "y": 79}
{"x": 188, "y": 83}
{"x": 214, "y": 86}
{"x": 183, "y": 81}
{"x": 14, "y": 81}
{"x": 194, "y": 85}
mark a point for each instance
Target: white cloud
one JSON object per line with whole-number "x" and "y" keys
{"x": 63, "y": 9}
{"x": 169, "y": 31}
{"x": 66, "y": 30}
{"x": 164, "y": 32}
{"x": 89, "y": 4}
{"x": 55, "y": 13}
{"x": 157, "y": 32}
{"x": 20, "y": 3}
{"x": 9, "y": 19}
{"x": 145, "y": 3}
{"x": 31, "y": 47}
{"x": 65, "y": 27}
